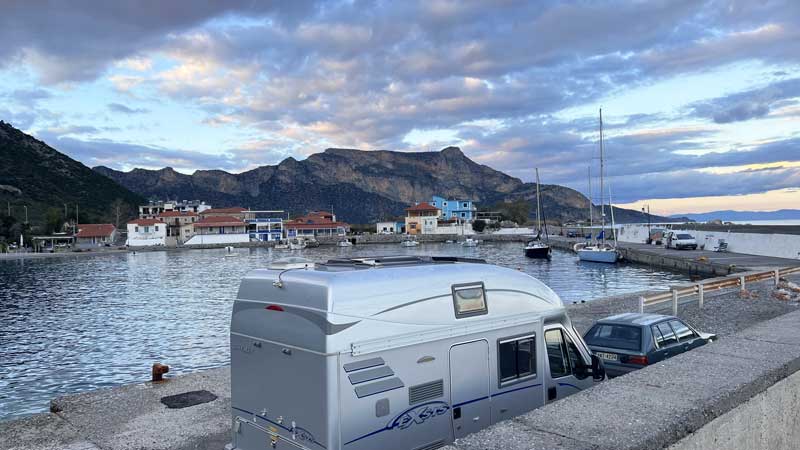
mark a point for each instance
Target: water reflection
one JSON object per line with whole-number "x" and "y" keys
{"x": 80, "y": 323}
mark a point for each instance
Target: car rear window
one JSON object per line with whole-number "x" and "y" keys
{"x": 624, "y": 337}
{"x": 685, "y": 236}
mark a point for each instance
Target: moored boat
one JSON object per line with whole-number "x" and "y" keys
{"x": 599, "y": 251}
{"x": 344, "y": 243}
{"x": 536, "y": 248}
{"x": 469, "y": 242}
{"x": 409, "y": 242}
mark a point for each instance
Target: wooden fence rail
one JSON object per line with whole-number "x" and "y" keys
{"x": 700, "y": 289}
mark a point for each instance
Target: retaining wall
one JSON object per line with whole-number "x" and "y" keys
{"x": 737, "y": 393}
{"x": 766, "y": 244}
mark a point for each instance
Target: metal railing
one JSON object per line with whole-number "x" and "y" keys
{"x": 699, "y": 289}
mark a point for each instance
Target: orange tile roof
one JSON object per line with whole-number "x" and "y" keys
{"x": 177, "y": 214}
{"x": 219, "y": 221}
{"x": 233, "y": 210}
{"x": 145, "y": 222}
{"x": 88, "y": 230}
{"x": 422, "y": 206}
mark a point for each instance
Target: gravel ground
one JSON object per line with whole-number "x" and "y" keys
{"x": 724, "y": 312}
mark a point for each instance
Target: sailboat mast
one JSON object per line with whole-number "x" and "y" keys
{"x": 602, "y": 173}
{"x": 591, "y": 214}
{"x": 538, "y": 205}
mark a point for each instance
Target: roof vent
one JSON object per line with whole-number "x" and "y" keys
{"x": 291, "y": 263}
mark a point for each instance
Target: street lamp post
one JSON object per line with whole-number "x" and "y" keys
{"x": 648, "y": 220}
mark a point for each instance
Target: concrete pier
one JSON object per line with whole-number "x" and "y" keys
{"x": 699, "y": 262}
{"x": 662, "y": 404}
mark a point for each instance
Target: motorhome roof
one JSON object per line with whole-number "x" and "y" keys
{"x": 367, "y": 286}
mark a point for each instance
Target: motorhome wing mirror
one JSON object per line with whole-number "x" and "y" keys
{"x": 598, "y": 369}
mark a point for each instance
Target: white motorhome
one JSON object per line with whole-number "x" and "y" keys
{"x": 395, "y": 352}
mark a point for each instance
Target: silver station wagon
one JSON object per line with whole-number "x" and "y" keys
{"x": 627, "y": 342}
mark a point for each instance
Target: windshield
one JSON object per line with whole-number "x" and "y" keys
{"x": 624, "y": 337}
{"x": 685, "y": 236}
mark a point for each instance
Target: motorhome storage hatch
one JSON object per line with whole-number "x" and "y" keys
{"x": 394, "y": 353}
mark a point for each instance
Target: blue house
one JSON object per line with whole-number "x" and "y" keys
{"x": 464, "y": 210}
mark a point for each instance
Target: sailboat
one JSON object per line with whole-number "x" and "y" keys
{"x": 599, "y": 250}
{"x": 536, "y": 248}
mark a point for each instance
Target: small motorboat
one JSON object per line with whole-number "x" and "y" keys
{"x": 344, "y": 243}
{"x": 469, "y": 242}
{"x": 537, "y": 249}
{"x": 281, "y": 245}
{"x": 409, "y": 242}
{"x": 297, "y": 244}
{"x": 312, "y": 243}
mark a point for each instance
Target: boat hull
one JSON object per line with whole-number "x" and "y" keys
{"x": 602, "y": 256}
{"x": 537, "y": 252}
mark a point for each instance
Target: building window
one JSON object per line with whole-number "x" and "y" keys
{"x": 516, "y": 359}
{"x": 465, "y": 204}
{"x": 444, "y": 203}
{"x": 136, "y": 229}
{"x": 463, "y": 214}
{"x": 156, "y": 228}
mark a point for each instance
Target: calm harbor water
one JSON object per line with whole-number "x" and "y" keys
{"x": 74, "y": 324}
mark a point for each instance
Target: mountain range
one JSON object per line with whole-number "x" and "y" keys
{"x": 35, "y": 176}
{"x": 739, "y": 216}
{"x": 360, "y": 186}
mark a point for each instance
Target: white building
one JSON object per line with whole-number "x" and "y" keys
{"x": 154, "y": 209}
{"x": 146, "y": 232}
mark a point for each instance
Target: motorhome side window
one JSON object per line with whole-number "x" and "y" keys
{"x": 556, "y": 353}
{"x": 469, "y": 300}
{"x": 516, "y": 359}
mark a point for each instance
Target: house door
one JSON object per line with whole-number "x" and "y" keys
{"x": 469, "y": 387}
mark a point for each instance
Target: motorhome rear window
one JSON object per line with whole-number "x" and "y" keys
{"x": 469, "y": 299}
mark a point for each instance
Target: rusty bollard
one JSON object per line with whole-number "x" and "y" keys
{"x": 158, "y": 371}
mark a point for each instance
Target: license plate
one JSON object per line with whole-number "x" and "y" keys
{"x": 607, "y": 356}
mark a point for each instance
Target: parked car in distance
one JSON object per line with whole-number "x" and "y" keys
{"x": 681, "y": 241}
{"x": 627, "y": 342}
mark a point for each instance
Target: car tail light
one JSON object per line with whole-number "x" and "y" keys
{"x": 637, "y": 359}
{"x": 274, "y": 308}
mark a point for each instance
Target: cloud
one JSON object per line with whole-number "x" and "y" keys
{"x": 751, "y": 104}
{"x": 77, "y": 41}
{"x": 120, "y": 108}
{"x": 126, "y": 156}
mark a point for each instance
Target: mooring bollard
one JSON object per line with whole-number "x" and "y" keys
{"x": 777, "y": 276}
{"x": 700, "y": 295}
{"x": 674, "y": 302}
{"x": 158, "y": 372}
{"x": 741, "y": 283}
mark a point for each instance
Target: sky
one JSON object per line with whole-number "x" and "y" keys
{"x": 700, "y": 99}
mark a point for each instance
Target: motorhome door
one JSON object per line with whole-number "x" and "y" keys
{"x": 564, "y": 360}
{"x": 469, "y": 387}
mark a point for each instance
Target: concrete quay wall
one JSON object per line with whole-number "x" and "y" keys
{"x": 737, "y": 393}
{"x": 764, "y": 244}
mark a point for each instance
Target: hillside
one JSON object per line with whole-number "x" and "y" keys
{"x": 740, "y": 216}
{"x": 35, "y": 175}
{"x": 361, "y": 186}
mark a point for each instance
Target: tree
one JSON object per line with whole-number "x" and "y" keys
{"x": 479, "y": 225}
{"x": 517, "y": 211}
{"x": 53, "y": 220}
